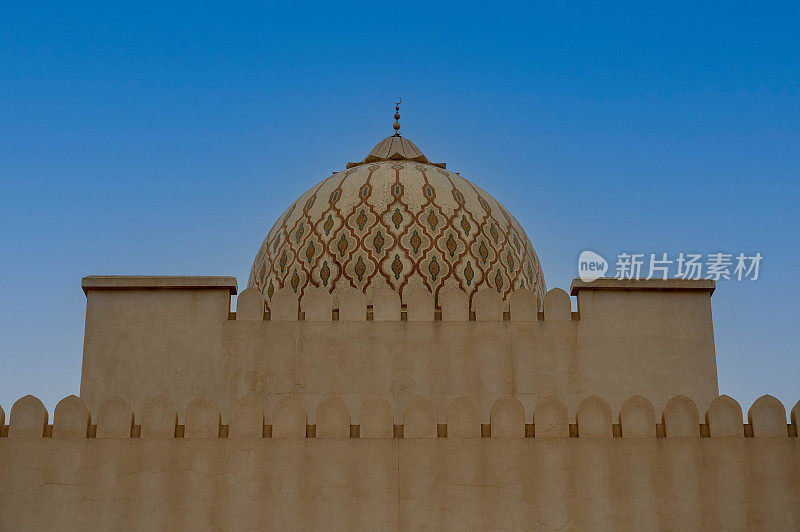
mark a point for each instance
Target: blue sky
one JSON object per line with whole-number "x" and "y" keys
{"x": 166, "y": 139}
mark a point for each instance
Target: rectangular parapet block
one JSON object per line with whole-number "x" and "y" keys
{"x": 154, "y": 335}
{"x": 156, "y": 282}
{"x": 648, "y": 337}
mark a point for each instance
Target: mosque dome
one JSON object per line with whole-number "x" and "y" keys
{"x": 396, "y": 218}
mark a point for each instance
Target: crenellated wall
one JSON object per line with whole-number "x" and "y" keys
{"x": 547, "y": 467}
{"x": 648, "y": 338}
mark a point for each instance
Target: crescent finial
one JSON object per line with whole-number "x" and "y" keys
{"x": 397, "y": 116}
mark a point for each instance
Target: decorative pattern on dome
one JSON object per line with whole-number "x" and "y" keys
{"x": 404, "y": 224}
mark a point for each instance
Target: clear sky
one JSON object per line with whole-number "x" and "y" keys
{"x": 158, "y": 138}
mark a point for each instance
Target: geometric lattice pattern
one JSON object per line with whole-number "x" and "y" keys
{"x": 403, "y": 223}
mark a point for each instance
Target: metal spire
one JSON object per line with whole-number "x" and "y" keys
{"x": 397, "y": 116}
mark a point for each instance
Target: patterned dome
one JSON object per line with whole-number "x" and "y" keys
{"x": 396, "y": 218}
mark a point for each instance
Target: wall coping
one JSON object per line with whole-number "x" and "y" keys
{"x": 157, "y": 282}
{"x": 610, "y": 283}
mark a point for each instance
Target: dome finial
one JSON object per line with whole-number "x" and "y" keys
{"x": 397, "y": 116}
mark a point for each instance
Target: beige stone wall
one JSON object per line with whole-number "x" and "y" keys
{"x": 588, "y": 471}
{"x": 656, "y": 341}
{"x": 155, "y": 335}
{"x": 653, "y": 339}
